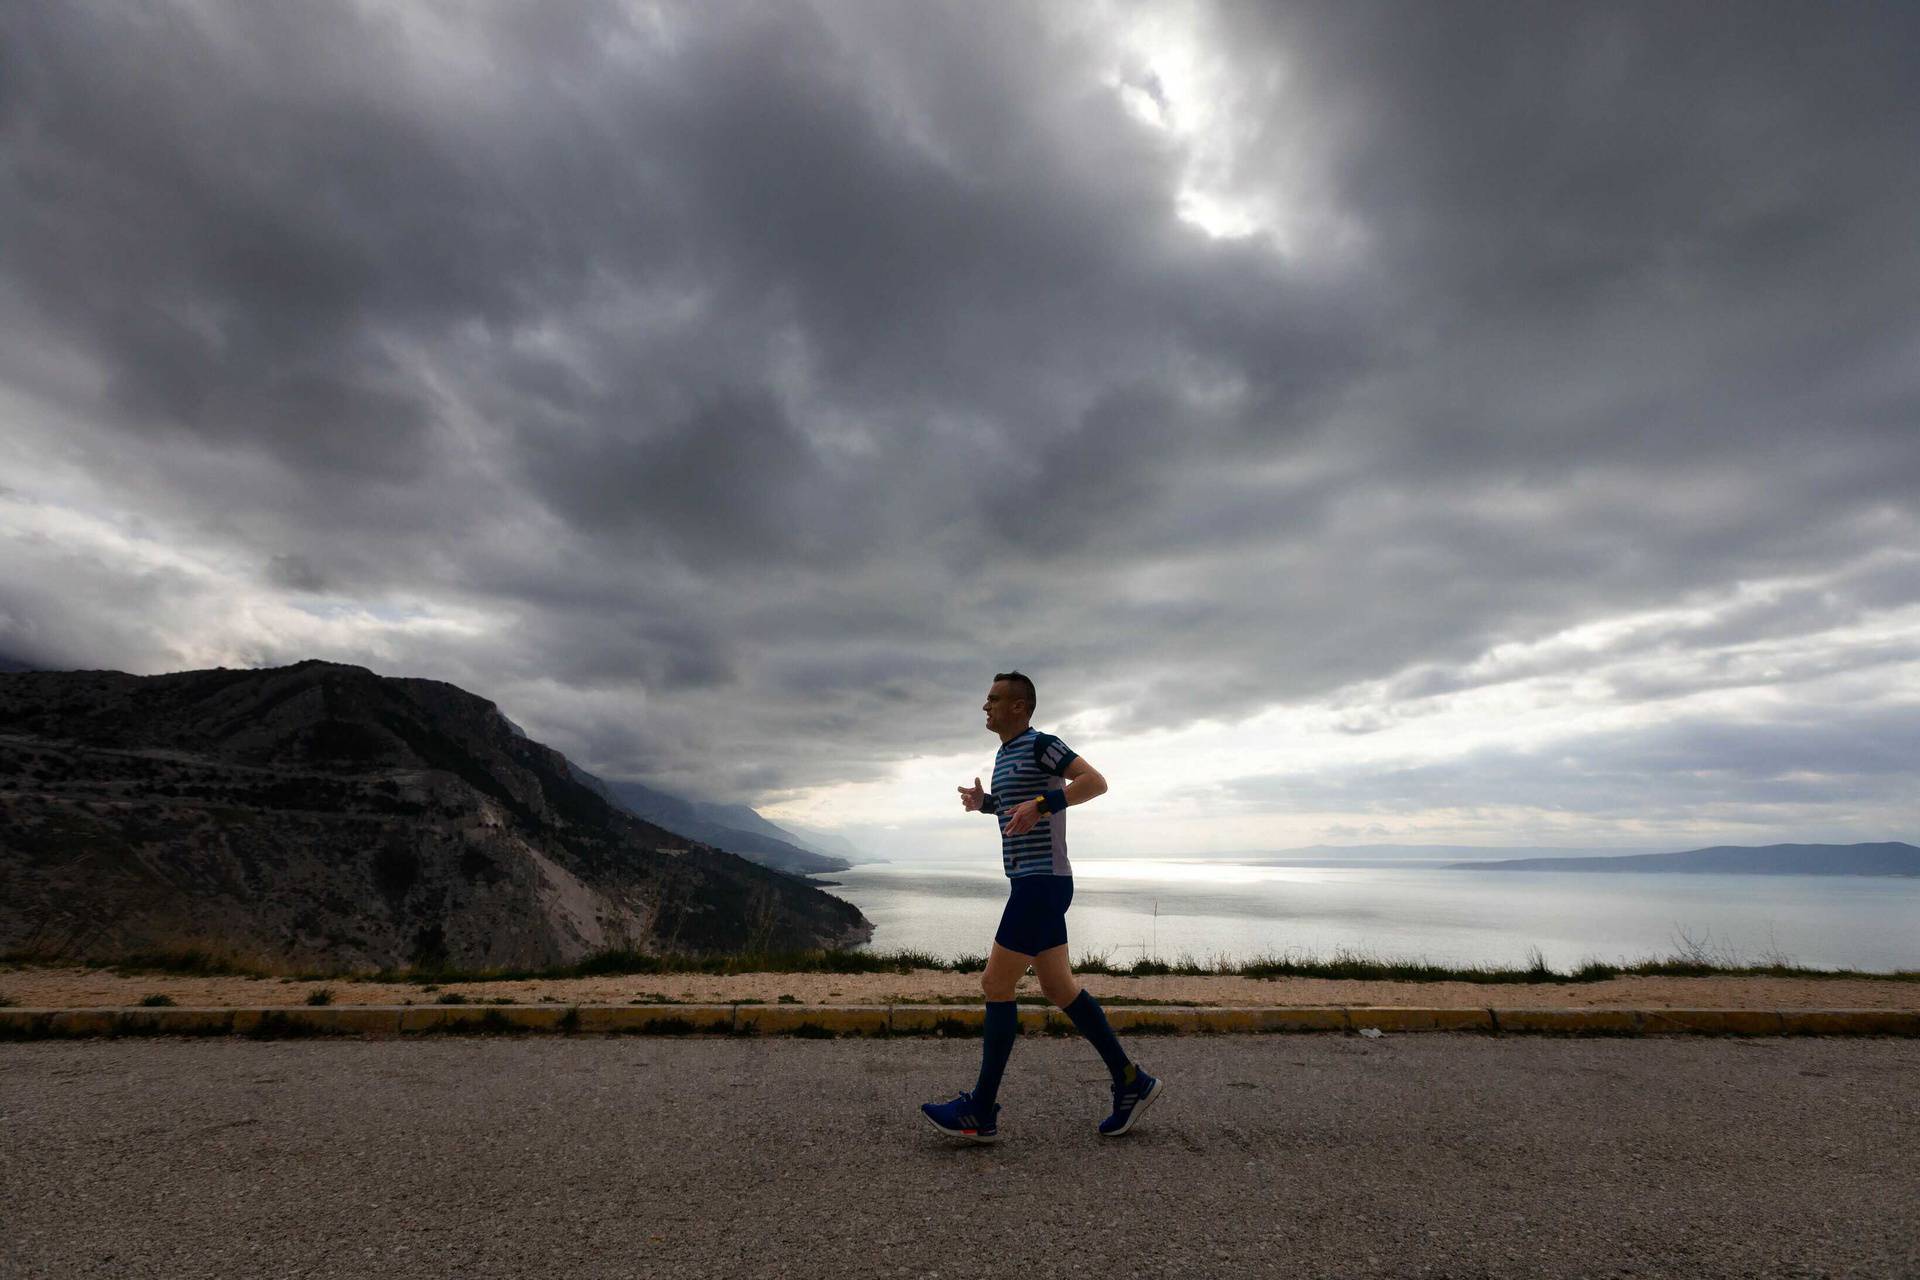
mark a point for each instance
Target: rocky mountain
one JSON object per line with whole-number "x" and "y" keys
{"x": 1888, "y": 858}
{"x": 322, "y": 815}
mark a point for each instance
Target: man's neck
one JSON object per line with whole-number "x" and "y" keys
{"x": 1008, "y": 735}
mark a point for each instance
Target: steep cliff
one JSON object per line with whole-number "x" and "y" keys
{"x": 324, "y": 815}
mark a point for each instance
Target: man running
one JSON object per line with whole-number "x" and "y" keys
{"x": 1035, "y": 777}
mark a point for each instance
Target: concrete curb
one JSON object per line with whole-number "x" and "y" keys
{"x": 830, "y": 1021}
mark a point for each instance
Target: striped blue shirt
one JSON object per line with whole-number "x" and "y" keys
{"x": 1026, "y": 766}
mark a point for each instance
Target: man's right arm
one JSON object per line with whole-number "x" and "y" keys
{"x": 975, "y": 797}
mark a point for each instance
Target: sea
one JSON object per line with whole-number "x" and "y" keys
{"x": 1175, "y": 910}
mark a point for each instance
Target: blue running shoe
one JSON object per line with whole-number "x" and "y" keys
{"x": 961, "y": 1117}
{"x": 1130, "y": 1098}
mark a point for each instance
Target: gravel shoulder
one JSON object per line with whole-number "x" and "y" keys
{"x": 77, "y": 988}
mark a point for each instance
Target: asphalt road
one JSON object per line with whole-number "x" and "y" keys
{"x": 1299, "y": 1155}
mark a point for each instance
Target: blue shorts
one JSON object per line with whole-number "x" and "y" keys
{"x": 1036, "y": 914}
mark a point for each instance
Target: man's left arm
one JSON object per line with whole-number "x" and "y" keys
{"x": 1084, "y": 782}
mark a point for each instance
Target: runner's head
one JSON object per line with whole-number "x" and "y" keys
{"x": 1010, "y": 701}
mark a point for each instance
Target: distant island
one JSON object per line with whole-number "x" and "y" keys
{"x": 1890, "y": 858}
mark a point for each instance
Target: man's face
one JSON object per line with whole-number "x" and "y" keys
{"x": 1005, "y": 704}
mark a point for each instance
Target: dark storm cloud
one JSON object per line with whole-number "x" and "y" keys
{"x": 773, "y": 374}
{"x": 734, "y": 480}
{"x": 296, "y": 573}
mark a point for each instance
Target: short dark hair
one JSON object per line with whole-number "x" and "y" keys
{"x": 1026, "y": 686}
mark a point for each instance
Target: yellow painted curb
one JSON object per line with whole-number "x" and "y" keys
{"x": 1327, "y": 1018}
{"x": 158, "y": 1020}
{"x": 1851, "y": 1022}
{"x": 493, "y": 1018}
{"x": 1712, "y": 1022}
{"x": 824, "y": 1019}
{"x": 1038, "y": 1020}
{"x": 959, "y": 1019}
{"x": 26, "y": 1024}
{"x": 970, "y": 1019}
{"x": 1156, "y": 1019}
{"x": 1567, "y": 1021}
{"x": 288, "y": 1022}
{"x": 656, "y": 1019}
{"x": 1396, "y": 1018}
{"x": 318, "y": 1020}
{"x": 85, "y": 1022}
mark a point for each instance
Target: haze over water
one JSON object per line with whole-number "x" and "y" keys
{"x": 1411, "y": 909}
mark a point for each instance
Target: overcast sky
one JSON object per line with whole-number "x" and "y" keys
{"x": 1366, "y": 422}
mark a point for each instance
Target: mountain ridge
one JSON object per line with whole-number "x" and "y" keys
{"x": 760, "y": 840}
{"x": 322, "y": 814}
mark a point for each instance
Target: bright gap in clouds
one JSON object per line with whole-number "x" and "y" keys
{"x": 1243, "y": 173}
{"x": 1171, "y": 82}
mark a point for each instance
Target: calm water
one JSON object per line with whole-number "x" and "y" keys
{"x": 1409, "y": 910}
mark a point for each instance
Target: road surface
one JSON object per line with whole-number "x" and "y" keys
{"x": 1298, "y": 1155}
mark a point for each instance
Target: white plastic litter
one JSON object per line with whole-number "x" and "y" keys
{"x": 1372, "y": 1033}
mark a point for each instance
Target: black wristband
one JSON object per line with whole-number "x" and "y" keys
{"x": 988, "y": 804}
{"x": 1053, "y": 802}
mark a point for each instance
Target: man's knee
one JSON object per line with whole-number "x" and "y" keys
{"x": 996, "y": 988}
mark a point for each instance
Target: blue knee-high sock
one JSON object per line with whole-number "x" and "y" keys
{"x": 1088, "y": 1016}
{"x": 996, "y": 1043}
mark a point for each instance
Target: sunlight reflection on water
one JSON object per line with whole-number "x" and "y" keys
{"x": 1126, "y": 908}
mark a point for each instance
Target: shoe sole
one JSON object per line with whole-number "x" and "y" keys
{"x": 1147, "y": 1099}
{"x": 963, "y": 1133}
